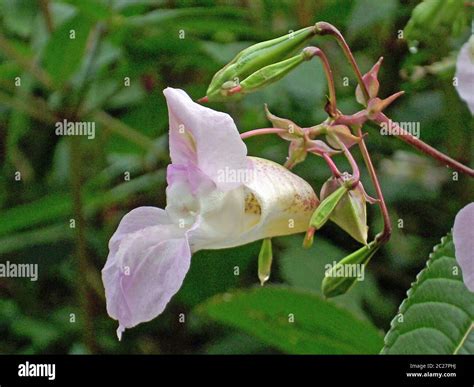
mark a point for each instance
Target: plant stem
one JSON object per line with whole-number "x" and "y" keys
{"x": 324, "y": 28}
{"x": 387, "y": 229}
{"x": 95, "y": 37}
{"x": 44, "y": 5}
{"x": 332, "y": 165}
{"x": 332, "y": 108}
{"x": 350, "y": 159}
{"x": 81, "y": 244}
{"x": 28, "y": 107}
{"x": 259, "y": 132}
{"x": 422, "y": 146}
{"x": 24, "y": 62}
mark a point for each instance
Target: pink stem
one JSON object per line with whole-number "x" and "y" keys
{"x": 423, "y": 147}
{"x": 332, "y": 166}
{"x": 387, "y": 228}
{"x": 354, "y": 166}
{"x": 259, "y": 132}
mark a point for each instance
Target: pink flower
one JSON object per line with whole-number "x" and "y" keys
{"x": 463, "y": 236}
{"x": 217, "y": 197}
{"x": 465, "y": 73}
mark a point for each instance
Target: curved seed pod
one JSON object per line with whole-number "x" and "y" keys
{"x": 256, "y": 57}
{"x": 272, "y": 73}
{"x": 350, "y": 213}
{"x": 342, "y": 276}
{"x": 326, "y": 207}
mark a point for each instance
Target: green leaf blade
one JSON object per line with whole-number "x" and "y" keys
{"x": 319, "y": 326}
{"x": 64, "y": 51}
{"x": 437, "y": 317}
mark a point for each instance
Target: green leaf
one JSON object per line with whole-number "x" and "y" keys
{"x": 62, "y": 55}
{"x": 305, "y": 270}
{"x": 319, "y": 326}
{"x": 19, "y": 15}
{"x": 96, "y": 10}
{"x": 58, "y": 206}
{"x": 432, "y": 19}
{"x": 158, "y": 16}
{"x": 365, "y": 16}
{"x": 43, "y": 235}
{"x": 217, "y": 270}
{"x": 437, "y": 317}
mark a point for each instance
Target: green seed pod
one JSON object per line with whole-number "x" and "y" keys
{"x": 350, "y": 214}
{"x": 272, "y": 73}
{"x": 326, "y": 207}
{"x": 265, "y": 258}
{"x": 339, "y": 278}
{"x": 254, "y": 58}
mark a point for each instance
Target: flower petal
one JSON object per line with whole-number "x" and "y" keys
{"x": 148, "y": 259}
{"x": 463, "y": 236}
{"x": 465, "y": 73}
{"x": 135, "y": 220}
{"x": 204, "y": 137}
{"x": 277, "y": 202}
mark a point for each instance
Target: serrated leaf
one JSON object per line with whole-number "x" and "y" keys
{"x": 437, "y": 317}
{"x": 319, "y": 326}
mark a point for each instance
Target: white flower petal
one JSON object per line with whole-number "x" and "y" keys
{"x": 204, "y": 137}
{"x": 147, "y": 269}
{"x": 465, "y": 73}
{"x": 463, "y": 237}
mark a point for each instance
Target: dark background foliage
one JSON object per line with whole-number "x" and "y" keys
{"x": 182, "y": 44}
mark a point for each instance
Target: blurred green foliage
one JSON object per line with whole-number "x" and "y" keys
{"x": 45, "y": 76}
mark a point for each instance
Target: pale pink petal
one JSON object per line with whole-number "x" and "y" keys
{"x": 204, "y": 137}
{"x": 147, "y": 269}
{"x": 465, "y": 74}
{"x": 463, "y": 236}
{"x": 135, "y": 220}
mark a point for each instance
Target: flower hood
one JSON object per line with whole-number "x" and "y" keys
{"x": 217, "y": 197}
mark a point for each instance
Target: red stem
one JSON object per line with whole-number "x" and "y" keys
{"x": 423, "y": 147}
{"x": 329, "y": 77}
{"x": 324, "y": 28}
{"x": 387, "y": 228}
{"x": 332, "y": 166}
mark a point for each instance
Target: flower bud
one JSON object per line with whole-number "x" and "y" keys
{"x": 371, "y": 82}
{"x": 350, "y": 213}
{"x": 293, "y": 130}
{"x": 343, "y": 133}
{"x": 378, "y": 105}
{"x": 265, "y": 258}
{"x": 342, "y": 276}
{"x": 254, "y": 58}
{"x": 296, "y": 153}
